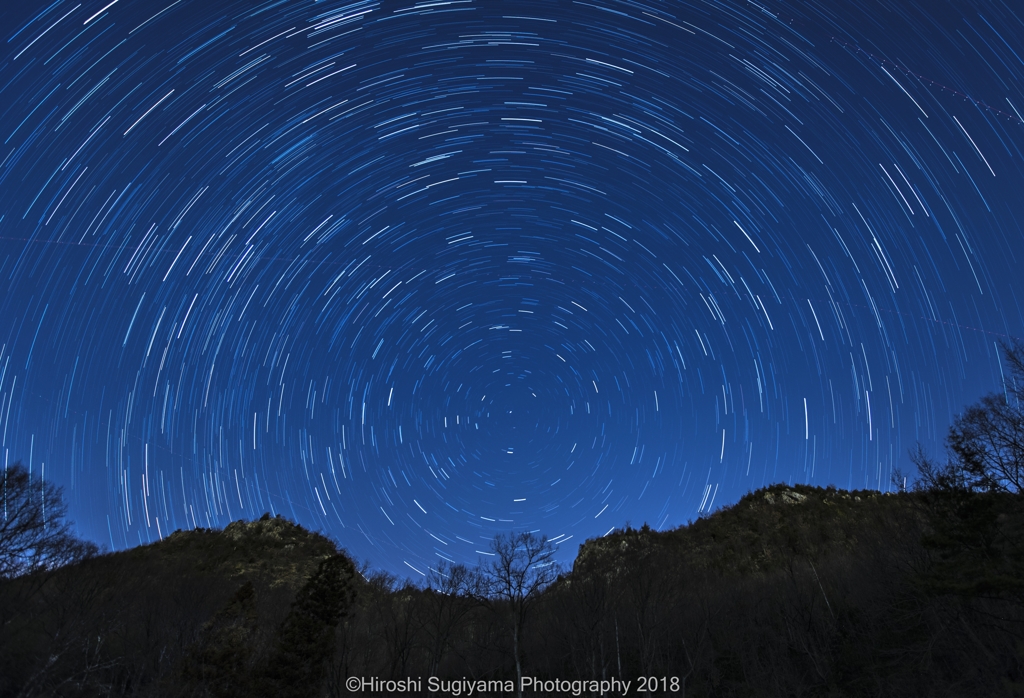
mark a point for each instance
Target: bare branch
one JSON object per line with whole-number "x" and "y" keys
{"x": 34, "y": 531}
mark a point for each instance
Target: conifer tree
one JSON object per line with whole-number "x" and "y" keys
{"x": 307, "y": 636}
{"x": 220, "y": 664}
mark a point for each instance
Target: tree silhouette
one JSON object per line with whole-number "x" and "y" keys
{"x": 306, "y": 639}
{"x": 219, "y": 664}
{"x": 973, "y": 504}
{"x": 521, "y": 569}
{"x": 985, "y": 445}
{"x": 34, "y": 531}
{"x": 446, "y": 602}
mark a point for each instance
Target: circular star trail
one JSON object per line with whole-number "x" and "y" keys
{"x": 417, "y": 273}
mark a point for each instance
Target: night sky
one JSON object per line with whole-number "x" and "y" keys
{"x": 414, "y": 274}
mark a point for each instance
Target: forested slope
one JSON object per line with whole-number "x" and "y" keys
{"x": 793, "y": 590}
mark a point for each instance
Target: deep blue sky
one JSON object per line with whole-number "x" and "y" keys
{"x": 416, "y": 273}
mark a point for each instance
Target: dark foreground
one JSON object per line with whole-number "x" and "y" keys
{"x": 794, "y": 591}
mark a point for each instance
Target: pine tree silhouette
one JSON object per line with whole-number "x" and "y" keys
{"x": 306, "y": 639}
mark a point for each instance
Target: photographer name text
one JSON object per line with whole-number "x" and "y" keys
{"x": 528, "y": 684}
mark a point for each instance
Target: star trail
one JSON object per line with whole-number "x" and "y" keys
{"x": 417, "y": 273}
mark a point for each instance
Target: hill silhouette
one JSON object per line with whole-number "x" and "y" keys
{"x": 793, "y": 590}
{"x": 137, "y": 622}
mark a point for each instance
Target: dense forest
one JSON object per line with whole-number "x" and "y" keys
{"x": 792, "y": 591}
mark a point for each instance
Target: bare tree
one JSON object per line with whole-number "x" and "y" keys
{"x": 392, "y": 606}
{"x": 985, "y": 444}
{"x": 34, "y": 531}
{"x": 447, "y": 600}
{"x": 523, "y": 566}
{"x": 35, "y": 537}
